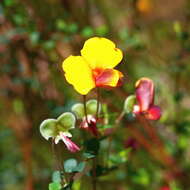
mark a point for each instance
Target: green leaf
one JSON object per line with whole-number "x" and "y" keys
{"x": 78, "y": 109}
{"x": 142, "y": 177}
{"x": 48, "y": 45}
{"x": 61, "y": 25}
{"x": 72, "y": 28}
{"x": 88, "y": 155}
{"x": 55, "y": 186}
{"x": 80, "y": 167}
{"x": 91, "y": 107}
{"x": 66, "y": 121}
{"x": 34, "y": 37}
{"x": 56, "y": 176}
{"x": 120, "y": 158}
{"x": 9, "y": 3}
{"x": 18, "y": 106}
{"x": 129, "y": 103}
{"x": 48, "y": 128}
{"x": 70, "y": 165}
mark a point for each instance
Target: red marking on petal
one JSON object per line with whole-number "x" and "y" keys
{"x": 154, "y": 113}
{"x": 145, "y": 93}
{"x": 71, "y": 146}
{"x": 107, "y": 77}
{"x": 103, "y": 79}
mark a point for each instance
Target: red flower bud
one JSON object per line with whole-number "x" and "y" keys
{"x": 145, "y": 99}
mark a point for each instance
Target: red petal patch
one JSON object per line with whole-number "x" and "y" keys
{"x": 154, "y": 113}
{"x": 107, "y": 78}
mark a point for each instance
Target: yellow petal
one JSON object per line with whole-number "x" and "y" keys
{"x": 101, "y": 53}
{"x": 79, "y": 74}
{"x": 108, "y": 78}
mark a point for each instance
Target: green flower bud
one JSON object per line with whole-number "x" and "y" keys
{"x": 66, "y": 121}
{"x": 78, "y": 110}
{"x": 91, "y": 107}
{"x": 48, "y": 128}
{"x": 129, "y": 103}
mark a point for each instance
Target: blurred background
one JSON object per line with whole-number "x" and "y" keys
{"x": 36, "y": 36}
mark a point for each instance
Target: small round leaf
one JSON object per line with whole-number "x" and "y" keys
{"x": 55, "y": 186}
{"x": 56, "y": 176}
{"x": 70, "y": 165}
{"x": 80, "y": 167}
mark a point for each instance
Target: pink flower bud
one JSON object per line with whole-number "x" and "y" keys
{"x": 145, "y": 99}
{"x": 71, "y": 146}
{"x": 144, "y": 93}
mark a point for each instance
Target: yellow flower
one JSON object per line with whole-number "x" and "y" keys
{"x": 94, "y": 68}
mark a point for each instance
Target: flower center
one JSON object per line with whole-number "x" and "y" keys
{"x": 96, "y": 72}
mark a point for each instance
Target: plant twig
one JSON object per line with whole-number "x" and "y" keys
{"x": 94, "y": 179}
{"x": 58, "y": 164}
{"x": 110, "y": 138}
{"x": 85, "y": 110}
{"x": 98, "y": 103}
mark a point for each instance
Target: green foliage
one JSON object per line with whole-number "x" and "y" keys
{"x": 120, "y": 157}
{"x": 87, "y": 32}
{"x": 35, "y": 37}
{"x": 18, "y": 106}
{"x": 54, "y": 186}
{"x": 101, "y": 30}
{"x": 92, "y": 146}
{"x": 71, "y": 165}
{"x": 56, "y": 176}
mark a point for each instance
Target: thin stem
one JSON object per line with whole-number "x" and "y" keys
{"x": 94, "y": 180}
{"x": 85, "y": 110}
{"x": 98, "y": 103}
{"x": 58, "y": 164}
{"x": 110, "y": 138}
{"x": 120, "y": 117}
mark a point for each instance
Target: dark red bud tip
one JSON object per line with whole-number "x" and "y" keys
{"x": 165, "y": 188}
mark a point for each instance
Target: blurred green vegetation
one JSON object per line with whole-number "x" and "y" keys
{"x": 36, "y": 36}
